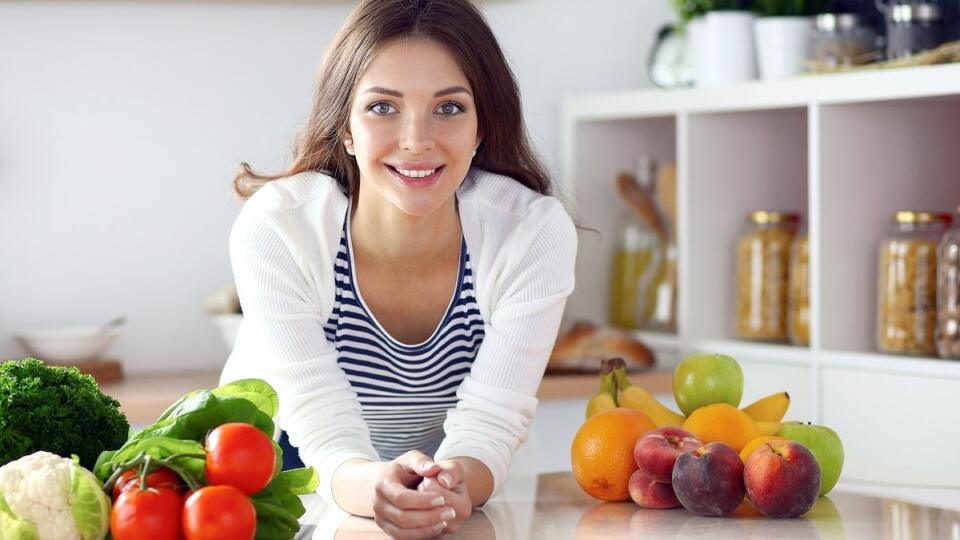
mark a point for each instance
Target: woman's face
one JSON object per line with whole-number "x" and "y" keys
{"x": 413, "y": 114}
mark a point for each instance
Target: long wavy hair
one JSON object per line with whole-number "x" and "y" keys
{"x": 461, "y": 28}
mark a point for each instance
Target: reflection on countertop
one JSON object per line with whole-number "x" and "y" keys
{"x": 551, "y": 506}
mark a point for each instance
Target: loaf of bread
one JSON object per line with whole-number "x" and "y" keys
{"x": 581, "y": 346}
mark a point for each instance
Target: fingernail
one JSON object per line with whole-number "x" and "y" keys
{"x": 447, "y": 479}
{"x": 440, "y": 526}
{"x": 426, "y": 465}
{"x": 448, "y": 514}
{"x": 438, "y": 501}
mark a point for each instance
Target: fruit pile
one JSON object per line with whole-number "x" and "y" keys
{"x": 709, "y": 458}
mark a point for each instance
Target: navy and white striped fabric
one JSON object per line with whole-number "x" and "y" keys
{"x": 404, "y": 390}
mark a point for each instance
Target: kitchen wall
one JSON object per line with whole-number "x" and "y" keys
{"x": 121, "y": 123}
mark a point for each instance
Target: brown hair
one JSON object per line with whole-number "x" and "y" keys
{"x": 456, "y": 24}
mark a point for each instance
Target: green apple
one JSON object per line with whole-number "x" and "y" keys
{"x": 704, "y": 379}
{"x": 824, "y": 444}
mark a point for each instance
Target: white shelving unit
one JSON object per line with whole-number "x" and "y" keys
{"x": 845, "y": 151}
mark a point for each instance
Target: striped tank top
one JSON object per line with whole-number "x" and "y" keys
{"x": 404, "y": 390}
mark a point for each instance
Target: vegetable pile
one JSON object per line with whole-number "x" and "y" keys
{"x": 56, "y": 409}
{"x": 208, "y": 468}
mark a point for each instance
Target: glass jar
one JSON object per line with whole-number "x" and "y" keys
{"x": 843, "y": 40}
{"x": 948, "y": 293}
{"x": 913, "y": 28}
{"x": 907, "y": 288}
{"x": 763, "y": 263}
{"x": 798, "y": 316}
{"x": 638, "y": 268}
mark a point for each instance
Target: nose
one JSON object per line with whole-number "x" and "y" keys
{"x": 416, "y": 136}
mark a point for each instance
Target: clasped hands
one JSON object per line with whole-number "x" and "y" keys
{"x": 415, "y": 497}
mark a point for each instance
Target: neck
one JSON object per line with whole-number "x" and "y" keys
{"x": 387, "y": 235}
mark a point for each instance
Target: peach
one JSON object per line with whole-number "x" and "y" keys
{"x": 657, "y": 451}
{"x": 782, "y": 479}
{"x": 709, "y": 480}
{"x": 649, "y": 493}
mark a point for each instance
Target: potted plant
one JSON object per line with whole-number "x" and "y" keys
{"x": 721, "y": 40}
{"x": 782, "y": 35}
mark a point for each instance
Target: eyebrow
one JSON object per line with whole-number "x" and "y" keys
{"x": 395, "y": 93}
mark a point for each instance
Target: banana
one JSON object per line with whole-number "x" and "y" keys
{"x": 769, "y": 409}
{"x": 606, "y": 397}
{"x": 768, "y": 428}
{"x": 636, "y": 397}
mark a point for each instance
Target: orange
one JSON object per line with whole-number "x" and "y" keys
{"x": 602, "y": 452}
{"x": 724, "y": 423}
{"x": 754, "y": 444}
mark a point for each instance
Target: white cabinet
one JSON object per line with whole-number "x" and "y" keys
{"x": 845, "y": 151}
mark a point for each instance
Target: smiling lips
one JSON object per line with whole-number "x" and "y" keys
{"x": 417, "y": 175}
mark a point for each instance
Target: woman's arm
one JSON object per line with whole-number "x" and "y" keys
{"x": 497, "y": 400}
{"x": 282, "y": 340}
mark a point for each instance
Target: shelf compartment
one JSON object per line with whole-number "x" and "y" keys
{"x": 876, "y": 158}
{"x": 602, "y": 150}
{"x": 895, "y": 428}
{"x": 736, "y": 163}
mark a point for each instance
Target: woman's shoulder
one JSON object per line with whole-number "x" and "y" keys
{"x": 505, "y": 204}
{"x": 505, "y": 197}
{"x": 293, "y": 193}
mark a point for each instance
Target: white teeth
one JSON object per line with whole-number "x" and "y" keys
{"x": 416, "y": 174}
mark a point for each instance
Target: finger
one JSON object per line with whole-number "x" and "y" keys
{"x": 414, "y": 519}
{"x": 405, "y": 498}
{"x": 457, "y": 499}
{"x": 400, "y": 533}
{"x": 418, "y": 462}
{"x": 451, "y": 474}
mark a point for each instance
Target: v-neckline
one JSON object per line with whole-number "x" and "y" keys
{"x": 355, "y": 285}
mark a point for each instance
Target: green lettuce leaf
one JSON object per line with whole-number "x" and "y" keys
{"x": 91, "y": 507}
{"x": 12, "y": 526}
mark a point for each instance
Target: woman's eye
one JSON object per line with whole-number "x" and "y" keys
{"x": 450, "y": 108}
{"x": 381, "y": 107}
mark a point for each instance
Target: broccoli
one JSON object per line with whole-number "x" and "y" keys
{"x": 56, "y": 409}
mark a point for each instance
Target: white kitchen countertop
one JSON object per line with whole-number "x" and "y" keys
{"x": 552, "y": 507}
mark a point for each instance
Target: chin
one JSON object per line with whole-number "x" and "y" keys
{"x": 420, "y": 205}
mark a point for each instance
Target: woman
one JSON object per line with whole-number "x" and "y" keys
{"x": 403, "y": 281}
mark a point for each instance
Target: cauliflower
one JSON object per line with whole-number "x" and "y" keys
{"x": 46, "y": 497}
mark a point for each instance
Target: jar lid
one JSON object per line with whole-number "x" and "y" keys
{"x": 762, "y": 217}
{"x": 910, "y": 216}
{"x": 907, "y": 13}
{"x": 831, "y": 22}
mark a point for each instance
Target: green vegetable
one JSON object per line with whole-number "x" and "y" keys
{"x": 178, "y": 435}
{"x": 12, "y": 526}
{"x": 56, "y": 409}
{"x": 47, "y": 497}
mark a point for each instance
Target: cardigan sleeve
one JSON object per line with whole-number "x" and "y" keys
{"x": 497, "y": 399}
{"x": 282, "y": 317}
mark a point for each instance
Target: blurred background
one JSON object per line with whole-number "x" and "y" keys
{"x": 122, "y": 123}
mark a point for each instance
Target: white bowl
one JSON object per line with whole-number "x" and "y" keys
{"x": 228, "y": 326}
{"x": 67, "y": 345}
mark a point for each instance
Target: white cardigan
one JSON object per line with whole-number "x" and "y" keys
{"x": 522, "y": 247}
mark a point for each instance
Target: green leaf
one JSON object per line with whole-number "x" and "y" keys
{"x": 257, "y": 391}
{"x": 198, "y": 414}
{"x": 157, "y": 447}
{"x": 302, "y": 481}
{"x": 91, "y": 507}
{"x": 12, "y": 526}
{"x": 273, "y": 521}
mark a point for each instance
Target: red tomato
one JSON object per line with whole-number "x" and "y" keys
{"x": 241, "y": 456}
{"x": 162, "y": 477}
{"x": 219, "y": 513}
{"x": 151, "y": 514}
